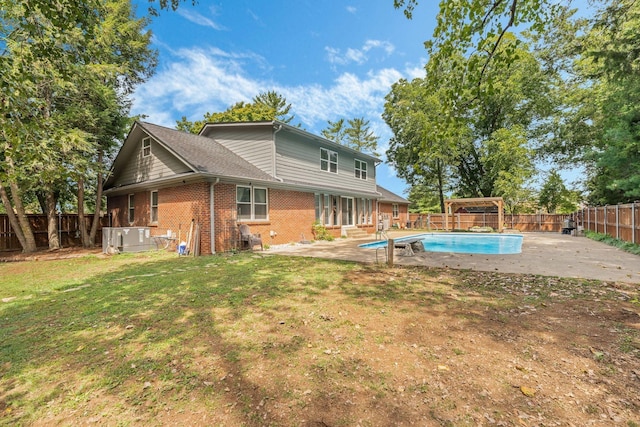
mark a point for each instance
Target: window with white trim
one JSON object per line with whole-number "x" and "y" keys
{"x": 365, "y": 215}
{"x": 318, "y": 205}
{"x": 361, "y": 169}
{"x": 251, "y": 203}
{"x": 131, "y": 208}
{"x": 328, "y": 160}
{"x": 146, "y": 147}
{"x": 396, "y": 212}
{"x": 154, "y": 206}
{"x": 327, "y": 210}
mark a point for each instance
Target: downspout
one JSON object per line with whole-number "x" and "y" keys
{"x": 277, "y": 128}
{"x": 212, "y": 224}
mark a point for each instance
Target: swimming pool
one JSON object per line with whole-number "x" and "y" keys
{"x": 466, "y": 243}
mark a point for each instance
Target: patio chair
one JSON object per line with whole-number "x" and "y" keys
{"x": 248, "y": 239}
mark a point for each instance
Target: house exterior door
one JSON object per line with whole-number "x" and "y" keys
{"x": 347, "y": 211}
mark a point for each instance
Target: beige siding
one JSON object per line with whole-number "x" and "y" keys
{"x": 254, "y": 144}
{"x": 299, "y": 160}
{"x": 159, "y": 164}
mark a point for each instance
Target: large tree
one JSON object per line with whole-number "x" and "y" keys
{"x": 68, "y": 68}
{"x": 423, "y": 147}
{"x": 594, "y": 123}
{"x": 354, "y": 133}
{"x": 276, "y": 102}
{"x": 267, "y": 106}
{"x": 555, "y": 196}
{"x": 481, "y": 147}
{"x": 614, "y": 72}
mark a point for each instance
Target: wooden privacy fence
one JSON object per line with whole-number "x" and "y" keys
{"x": 68, "y": 231}
{"x": 619, "y": 221}
{"x": 464, "y": 221}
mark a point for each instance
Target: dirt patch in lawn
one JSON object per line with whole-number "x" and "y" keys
{"x": 372, "y": 346}
{"x": 48, "y": 255}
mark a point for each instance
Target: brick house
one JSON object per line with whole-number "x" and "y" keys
{"x": 394, "y": 207}
{"x": 276, "y": 178}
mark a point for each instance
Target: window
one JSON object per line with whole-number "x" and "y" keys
{"x": 364, "y": 211}
{"x": 328, "y": 160}
{"x": 318, "y": 205}
{"x": 146, "y": 147}
{"x": 131, "y": 209}
{"x": 154, "y": 206}
{"x": 327, "y": 210}
{"x": 396, "y": 214}
{"x": 361, "y": 169}
{"x": 251, "y": 203}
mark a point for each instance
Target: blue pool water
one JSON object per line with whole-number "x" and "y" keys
{"x": 466, "y": 243}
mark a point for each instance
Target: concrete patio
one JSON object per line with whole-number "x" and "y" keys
{"x": 548, "y": 254}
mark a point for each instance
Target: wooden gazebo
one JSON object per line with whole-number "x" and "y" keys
{"x": 452, "y": 205}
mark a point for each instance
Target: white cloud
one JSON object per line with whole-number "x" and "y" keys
{"x": 359, "y": 56}
{"x": 199, "y": 19}
{"x": 199, "y": 81}
{"x": 352, "y": 9}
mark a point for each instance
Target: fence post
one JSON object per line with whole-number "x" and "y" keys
{"x": 633, "y": 223}
{"x": 390, "y": 247}
{"x": 617, "y": 221}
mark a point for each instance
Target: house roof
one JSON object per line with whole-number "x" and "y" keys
{"x": 388, "y": 196}
{"x": 201, "y": 154}
{"x": 204, "y": 156}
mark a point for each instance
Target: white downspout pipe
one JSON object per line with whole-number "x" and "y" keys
{"x": 212, "y": 225}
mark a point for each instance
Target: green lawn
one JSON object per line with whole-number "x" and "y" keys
{"x": 252, "y": 339}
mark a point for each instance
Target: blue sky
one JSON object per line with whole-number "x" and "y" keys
{"x": 329, "y": 59}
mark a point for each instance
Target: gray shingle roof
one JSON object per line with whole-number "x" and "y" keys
{"x": 204, "y": 154}
{"x": 388, "y": 196}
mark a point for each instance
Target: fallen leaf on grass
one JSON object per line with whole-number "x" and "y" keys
{"x": 527, "y": 391}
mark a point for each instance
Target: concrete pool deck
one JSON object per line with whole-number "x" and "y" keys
{"x": 547, "y": 254}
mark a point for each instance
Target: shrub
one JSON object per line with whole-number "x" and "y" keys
{"x": 320, "y": 232}
{"x": 611, "y": 241}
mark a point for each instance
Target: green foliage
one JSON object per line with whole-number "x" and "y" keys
{"x": 554, "y": 196}
{"x": 424, "y": 197}
{"x": 423, "y": 148}
{"x": 277, "y": 103}
{"x": 266, "y": 106}
{"x": 575, "y": 90}
{"x": 355, "y": 134}
{"x": 480, "y": 148}
{"x": 320, "y": 232}
{"x": 335, "y": 131}
{"x": 68, "y": 68}
{"x": 612, "y": 241}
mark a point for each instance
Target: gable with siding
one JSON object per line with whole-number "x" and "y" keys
{"x": 251, "y": 141}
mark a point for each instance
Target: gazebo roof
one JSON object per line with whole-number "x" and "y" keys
{"x": 474, "y": 201}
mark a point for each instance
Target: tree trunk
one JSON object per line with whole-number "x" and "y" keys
{"x": 29, "y": 244}
{"x": 42, "y": 202}
{"x": 21, "y": 224}
{"x": 82, "y": 221}
{"x": 440, "y": 185}
{"x": 96, "y": 213}
{"x": 52, "y": 218}
{"x": 13, "y": 220}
